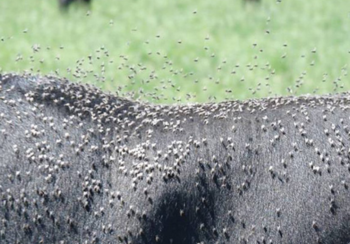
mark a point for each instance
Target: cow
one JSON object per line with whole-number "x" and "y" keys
{"x": 64, "y": 4}
{"x": 79, "y": 165}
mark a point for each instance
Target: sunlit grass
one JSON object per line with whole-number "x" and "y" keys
{"x": 179, "y": 51}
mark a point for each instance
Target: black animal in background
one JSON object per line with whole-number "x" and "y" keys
{"x": 81, "y": 166}
{"x": 66, "y": 3}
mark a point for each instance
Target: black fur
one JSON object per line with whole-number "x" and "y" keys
{"x": 81, "y": 166}
{"x": 66, "y": 3}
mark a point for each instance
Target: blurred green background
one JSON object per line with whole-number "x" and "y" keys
{"x": 182, "y": 51}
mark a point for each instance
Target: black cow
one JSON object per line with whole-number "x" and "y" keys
{"x": 81, "y": 166}
{"x": 66, "y": 3}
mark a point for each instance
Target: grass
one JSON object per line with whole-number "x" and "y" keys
{"x": 183, "y": 51}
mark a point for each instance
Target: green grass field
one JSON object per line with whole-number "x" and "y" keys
{"x": 183, "y": 51}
